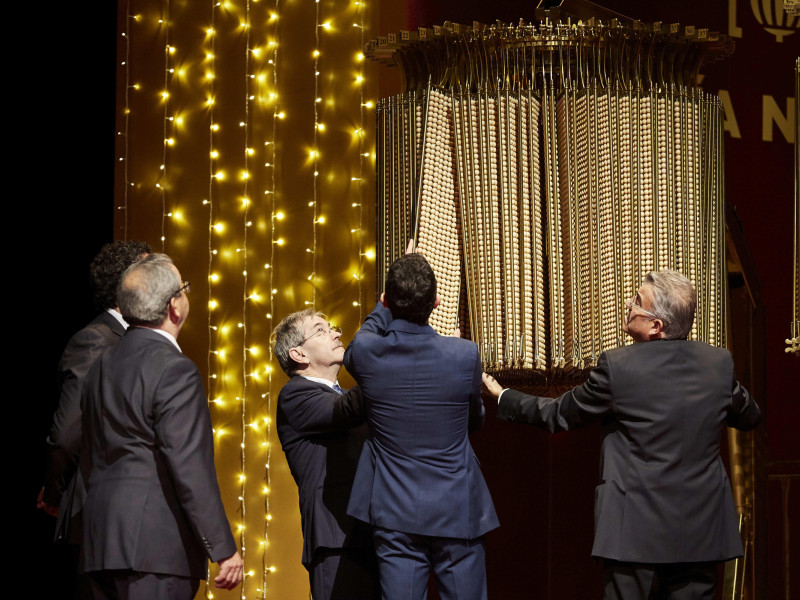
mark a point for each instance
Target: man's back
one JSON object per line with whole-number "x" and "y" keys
{"x": 153, "y": 502}
{"x": 664, "y": 495}
{"x": 669, "y": 498}
{"x": 419, "y": 473}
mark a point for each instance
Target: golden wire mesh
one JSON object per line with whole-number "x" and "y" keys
{"x": 558, "y": 165}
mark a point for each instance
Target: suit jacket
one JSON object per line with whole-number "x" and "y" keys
{"x": 318, "y": 431}
{"x": 664, "y": 495}
{"x": 64, "y": 442}
{"x": 418, "y": 473}
{"x": 153, "y": 502}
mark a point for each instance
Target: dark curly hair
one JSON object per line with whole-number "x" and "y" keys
{"x": 411, "y": 288}
{"x": 108, "y": 266}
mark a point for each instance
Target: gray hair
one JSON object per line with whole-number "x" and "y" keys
{"x": 146, "y": 289}
{"x": 289, "y": 334}
{"x": 674, "y": 301}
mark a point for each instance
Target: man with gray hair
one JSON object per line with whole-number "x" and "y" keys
{"x": 318, "y": 429}
{"x": 664, "y": 513}
{"x": 153, "y": 515}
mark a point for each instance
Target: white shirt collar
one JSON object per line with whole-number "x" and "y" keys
{"x": 117, "y": 316}
{"x": 327, "y": 382}
{"x": 170, "y": 337}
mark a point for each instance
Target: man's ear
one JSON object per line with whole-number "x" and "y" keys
{"x": 657, "y": 330}
{"x": 383, "y": 300}
{"x": 174, "y": 312}
{"x": 298, "y": 356}
{"x": 438, "y": 301}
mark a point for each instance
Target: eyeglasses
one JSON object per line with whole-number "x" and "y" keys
{"x": 185, "y": 287}
{"x": 321, "y": 330}
{"x": 630, "y": 305}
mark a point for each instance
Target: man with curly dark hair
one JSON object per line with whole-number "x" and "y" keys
{"x": 63, "y": 485}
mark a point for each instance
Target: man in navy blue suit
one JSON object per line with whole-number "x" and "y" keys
{"x": 318, "y": 426}
{"x": 419, "y": 483}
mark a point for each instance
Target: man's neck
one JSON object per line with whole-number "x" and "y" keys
{"x": 330, "y": 374}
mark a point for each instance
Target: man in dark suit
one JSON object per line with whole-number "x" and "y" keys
{"x": 419, "y": 482}
{"x": 153, "y": 514}
{"x": 318, "y": 429}
{"x": 664, "y": 513}
{"x": 64, "y": 490}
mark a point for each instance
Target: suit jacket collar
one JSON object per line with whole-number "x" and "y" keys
{"x": 148, "y": 335}
{"x": 111, "y": 322}
{"x": 409, "y": 327}
{"x": 303, "y": 382}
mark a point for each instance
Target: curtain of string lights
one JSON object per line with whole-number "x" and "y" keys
{"x": 245, "y": 150}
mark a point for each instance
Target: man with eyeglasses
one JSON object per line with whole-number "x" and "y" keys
{"x": 321, "y": 433}
{"x": 664, "y": 513}
{"x": 153, "y": 516}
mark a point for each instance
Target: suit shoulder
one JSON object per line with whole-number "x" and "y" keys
{"x": 95, "y": 333}
{"x": 461, "y": 344}
{"x": 298, "y": 384}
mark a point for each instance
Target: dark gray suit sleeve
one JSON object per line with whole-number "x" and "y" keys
{"x": 65, "y": 439}
{"x": 744, "y": 412}
{"x": 312, "y": 411}
{"x": 184, "y": 437}
{"x": 580, "y": 406}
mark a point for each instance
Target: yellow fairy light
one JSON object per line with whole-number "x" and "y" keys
{"x": 214, "y": 154}
{"x": 212, "y": 304}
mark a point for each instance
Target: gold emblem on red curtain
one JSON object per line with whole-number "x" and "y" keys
{"x": 771, "y": 15}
